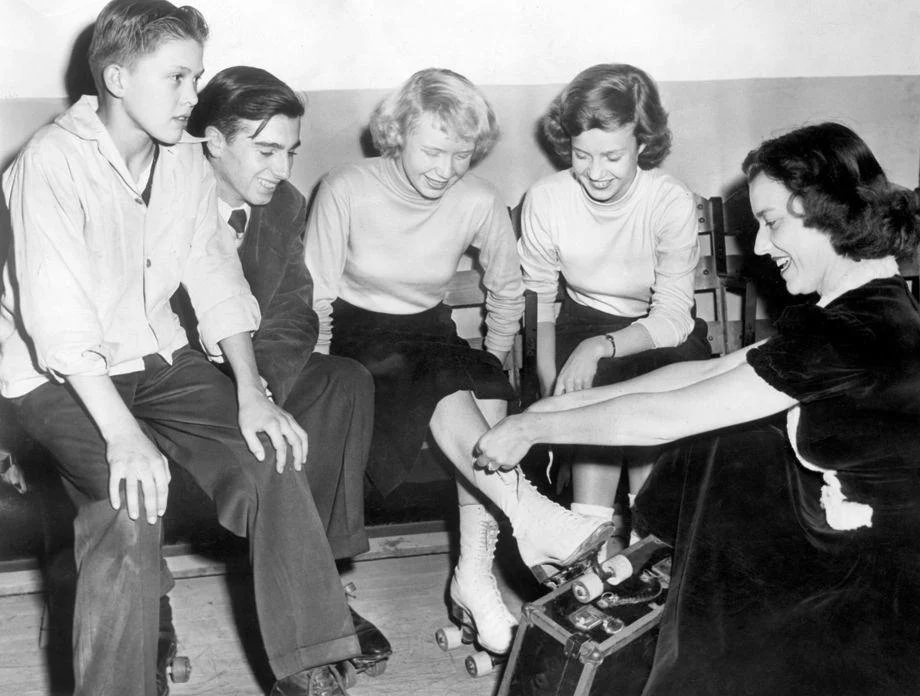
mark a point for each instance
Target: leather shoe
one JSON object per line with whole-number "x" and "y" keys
{"x": 318, "y": 681}
{"x": 374, "y": 645}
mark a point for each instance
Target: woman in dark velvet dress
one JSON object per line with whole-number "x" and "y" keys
{"x": 797, "y": 539}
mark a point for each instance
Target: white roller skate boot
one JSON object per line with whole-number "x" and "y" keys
{"x": 550, "y": 538}
{"x": 477, "y": 604}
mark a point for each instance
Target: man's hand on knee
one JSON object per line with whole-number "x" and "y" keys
{"x": 258, "y": 414}
{"x": 136, "y": 461}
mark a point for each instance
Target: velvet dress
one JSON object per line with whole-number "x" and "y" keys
{"x": 797, "y": 539}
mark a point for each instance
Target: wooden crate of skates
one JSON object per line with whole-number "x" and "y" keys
{"x": 595, "y": 633}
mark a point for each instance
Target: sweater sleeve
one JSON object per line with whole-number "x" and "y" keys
{"x": 325, "y": 248}
{"x": 677, "y": 252}
{"x": 539, "y": 257}
{"x": 502, "y": 278}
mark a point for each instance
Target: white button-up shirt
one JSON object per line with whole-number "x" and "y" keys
{"x": 95, "y": 267}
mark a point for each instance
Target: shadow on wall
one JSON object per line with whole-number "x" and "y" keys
{"x": 368, "y": 149}
{"x": 539, "y": 136}
{"x": 78, "y": 79}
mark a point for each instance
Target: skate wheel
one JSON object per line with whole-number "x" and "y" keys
{"x": 588, "y": 587}
{"x": 478, "y": 664}
{"x": 375, "y": 669}
{"x": 349, "y": 673}
{"x": 448, "y": 638}
{"x": 180, "y": 670}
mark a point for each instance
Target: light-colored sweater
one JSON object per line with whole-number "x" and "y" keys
{"x": 373, "y": 241}
{"x": 632, "y": 257}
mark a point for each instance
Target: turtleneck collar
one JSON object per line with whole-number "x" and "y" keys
{"x": 395, "y": 179}
{"x": 624, "y": 201}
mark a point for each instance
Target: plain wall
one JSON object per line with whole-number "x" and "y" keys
{"x": 715, "y": 123}
{"x": 369, "y": 44}
{"x": 731, "y": 72}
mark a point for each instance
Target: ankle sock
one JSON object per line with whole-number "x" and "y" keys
{"x": 602, "y": 511}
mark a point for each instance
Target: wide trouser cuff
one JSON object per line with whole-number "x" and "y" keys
{"x": 349, "y": 545}
{"x": 309, "y": 656}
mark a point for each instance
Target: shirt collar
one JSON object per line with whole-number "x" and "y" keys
{"x": 224, "y": 209}
{"x": 82, "y": 120}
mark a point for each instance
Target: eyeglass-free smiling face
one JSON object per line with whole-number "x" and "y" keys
{"x": 250, "y": 165}
{"x": 805, "y": 257}
{"x": 605, "y": 162}
{"x": 432, "y": 158}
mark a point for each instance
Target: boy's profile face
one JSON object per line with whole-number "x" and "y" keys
{"x": 160, "y": 88}
{"x": 249, "y": 167}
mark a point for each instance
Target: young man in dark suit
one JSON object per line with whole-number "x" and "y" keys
{"x": 251, "y": 124}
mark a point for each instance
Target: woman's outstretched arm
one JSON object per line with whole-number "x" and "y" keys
{"x": 667, "y": 378}
{"x": 726, "y": 398}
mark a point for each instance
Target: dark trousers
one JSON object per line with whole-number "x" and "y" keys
{"x": 333, "y": 400}
{"x": 188, "y": 409}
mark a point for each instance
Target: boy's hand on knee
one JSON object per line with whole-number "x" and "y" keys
{"x": 135, "y": 460}
{"x": 258, "y": 414}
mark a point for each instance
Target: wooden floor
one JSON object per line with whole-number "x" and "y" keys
{"x": 215, "y": 620}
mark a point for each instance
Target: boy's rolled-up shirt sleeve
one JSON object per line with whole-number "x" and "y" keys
{"x": 53, "y": 267}
{"x": 213, "y": 278}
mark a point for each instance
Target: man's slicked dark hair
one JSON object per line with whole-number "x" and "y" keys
{"x": 242, "y": 93}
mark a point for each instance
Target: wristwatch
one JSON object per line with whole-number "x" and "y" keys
{"x": 613, "y": 345}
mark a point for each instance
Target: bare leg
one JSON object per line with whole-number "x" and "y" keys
{"x": 595, "y": 482}
{"x": 448, "y": 428}
{"x": 637, "y": 473}
{"x": 458, "y": 423}
{"x": 546, "y": 533}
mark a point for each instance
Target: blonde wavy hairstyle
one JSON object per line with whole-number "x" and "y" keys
{"x": 448, "y": 96}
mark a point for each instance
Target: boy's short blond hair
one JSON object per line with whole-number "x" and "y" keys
{"x": 126, "y": 30}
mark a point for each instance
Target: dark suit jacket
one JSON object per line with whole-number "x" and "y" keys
{"x": 273, "y": 263}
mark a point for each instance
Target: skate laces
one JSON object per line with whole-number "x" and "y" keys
{"x": 481, "y": 582}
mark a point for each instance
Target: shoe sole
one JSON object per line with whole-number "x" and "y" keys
{"x": 546, "y": 573}
{"x": 464, "y": 619}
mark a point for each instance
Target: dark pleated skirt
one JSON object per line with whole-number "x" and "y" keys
{"x": 577, "y": 322}
{"x": 416, "y": 360}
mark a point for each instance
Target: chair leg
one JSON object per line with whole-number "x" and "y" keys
{"x": 749, "y": 318}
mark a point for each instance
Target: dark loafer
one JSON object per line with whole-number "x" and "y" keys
{"x": 374, "y": 645}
